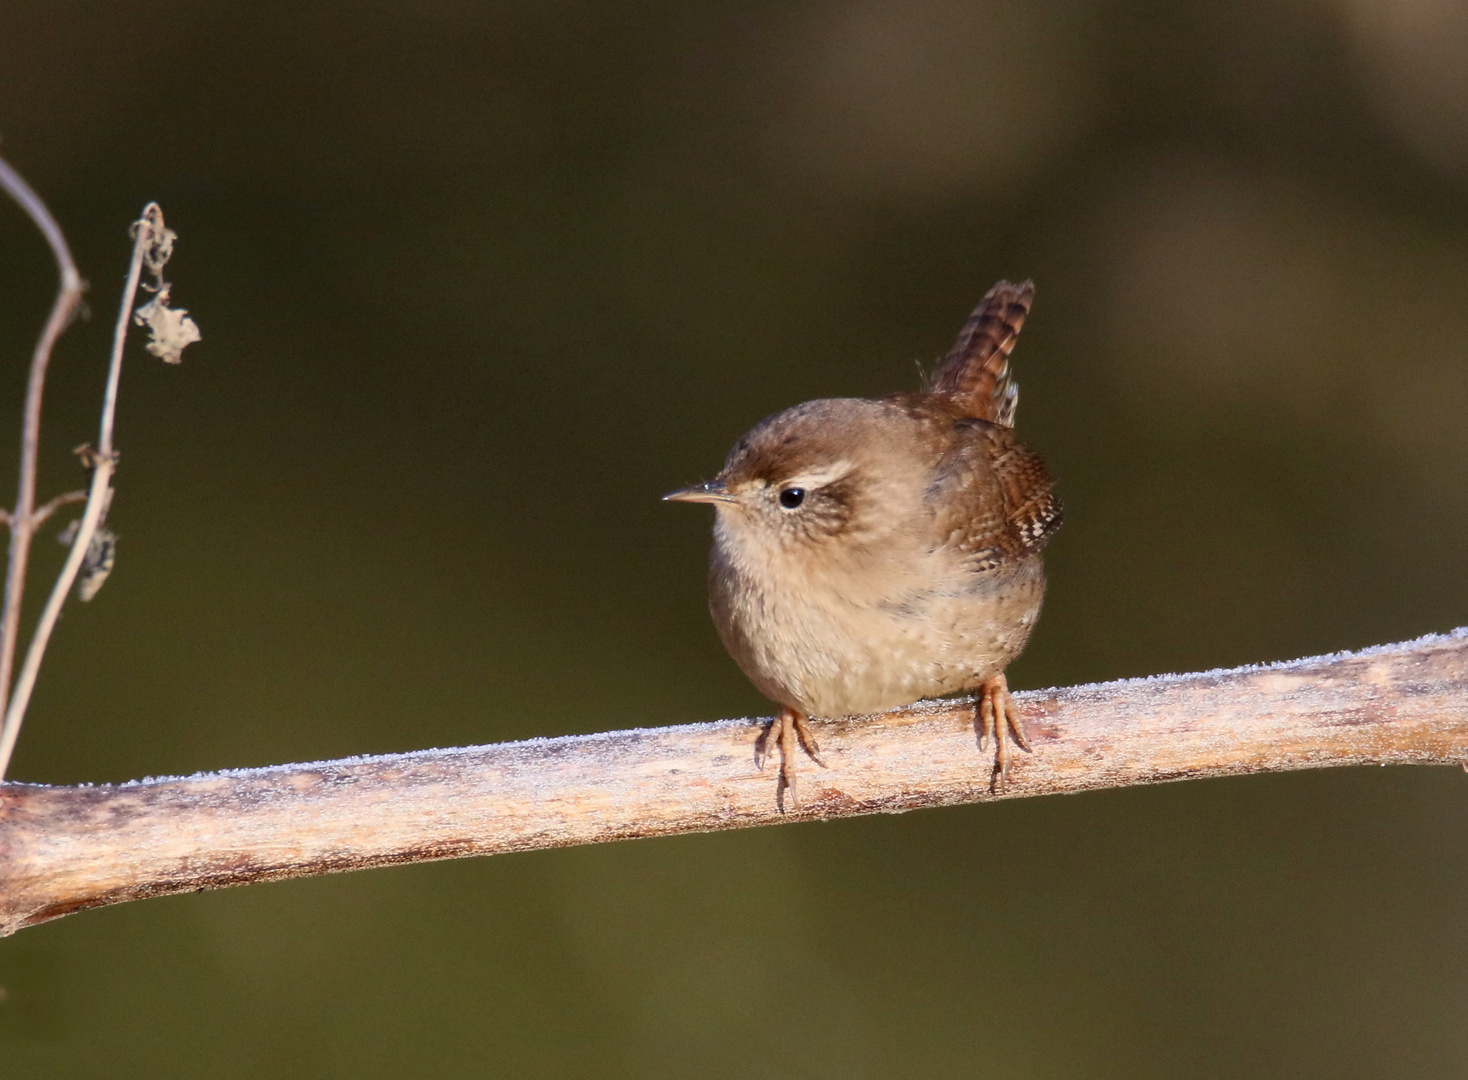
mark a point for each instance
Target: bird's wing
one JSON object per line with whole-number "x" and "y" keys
{"x": 975, "y": 373}
{"x": 993, "y": 499}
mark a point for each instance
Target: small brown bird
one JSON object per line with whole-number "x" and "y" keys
{"x": 868, "y": 553}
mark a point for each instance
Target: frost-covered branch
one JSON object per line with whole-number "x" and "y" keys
{"x": 64, "y": 849}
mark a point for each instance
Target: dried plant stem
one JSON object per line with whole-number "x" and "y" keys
{"x": 103, "y": 465}
{"x": 22, "y": 519}
{"x": 66, "y": 849}
{"x": 25, "y": 518}
{"x": 25, "y": 682}
{"x": 147, "y": 230}
{"x": 44, "y": 512}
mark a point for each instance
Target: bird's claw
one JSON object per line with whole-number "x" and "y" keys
{"x": 1000, "y": 720}
{"x": 786, "y": 730}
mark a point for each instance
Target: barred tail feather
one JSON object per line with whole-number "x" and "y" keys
{"x": 975, "y": 373}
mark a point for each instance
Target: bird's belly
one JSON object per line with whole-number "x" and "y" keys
{"x": 829, "y": 655}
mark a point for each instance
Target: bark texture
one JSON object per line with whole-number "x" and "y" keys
{"x": 63, "y": 849}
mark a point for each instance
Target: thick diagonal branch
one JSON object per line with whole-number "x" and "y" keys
{"x": 65, "y": 849}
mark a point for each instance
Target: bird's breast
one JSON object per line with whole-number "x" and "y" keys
{"x": 833, "y": 639}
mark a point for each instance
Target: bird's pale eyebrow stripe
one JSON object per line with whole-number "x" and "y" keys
{"x": 819, "y": 478}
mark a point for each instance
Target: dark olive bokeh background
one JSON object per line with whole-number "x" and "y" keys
{"x": 478, "y": 282}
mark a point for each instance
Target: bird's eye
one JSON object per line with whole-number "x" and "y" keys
{"x": 792, "y": 497}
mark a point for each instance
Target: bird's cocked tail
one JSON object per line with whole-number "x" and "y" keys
{"x": 975, "y": 373}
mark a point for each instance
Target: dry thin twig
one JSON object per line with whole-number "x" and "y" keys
{"x": 63, "y": 849}
{"x": 66, "y": 499}
{"x": 171, "y": 331}
{"x": 149, "y": 235}
{"x": 22, "y": 519}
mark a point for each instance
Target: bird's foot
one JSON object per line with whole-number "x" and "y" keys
{"x": 999, "y": 720}
{"x": 788, "y": 728}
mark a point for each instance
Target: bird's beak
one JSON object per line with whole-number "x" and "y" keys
{"x": 713, "y": 492}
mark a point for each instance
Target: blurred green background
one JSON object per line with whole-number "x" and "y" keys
{"x": 479, "y": 282}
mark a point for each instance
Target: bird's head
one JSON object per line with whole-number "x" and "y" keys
{"x": 809, "y": 477}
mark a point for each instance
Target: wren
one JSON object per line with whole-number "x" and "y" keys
{"x": 872, "y": 552}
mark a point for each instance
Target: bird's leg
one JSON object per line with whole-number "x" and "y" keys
{"x": 788, "y": 728}
{"x": 999, "y": 719}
